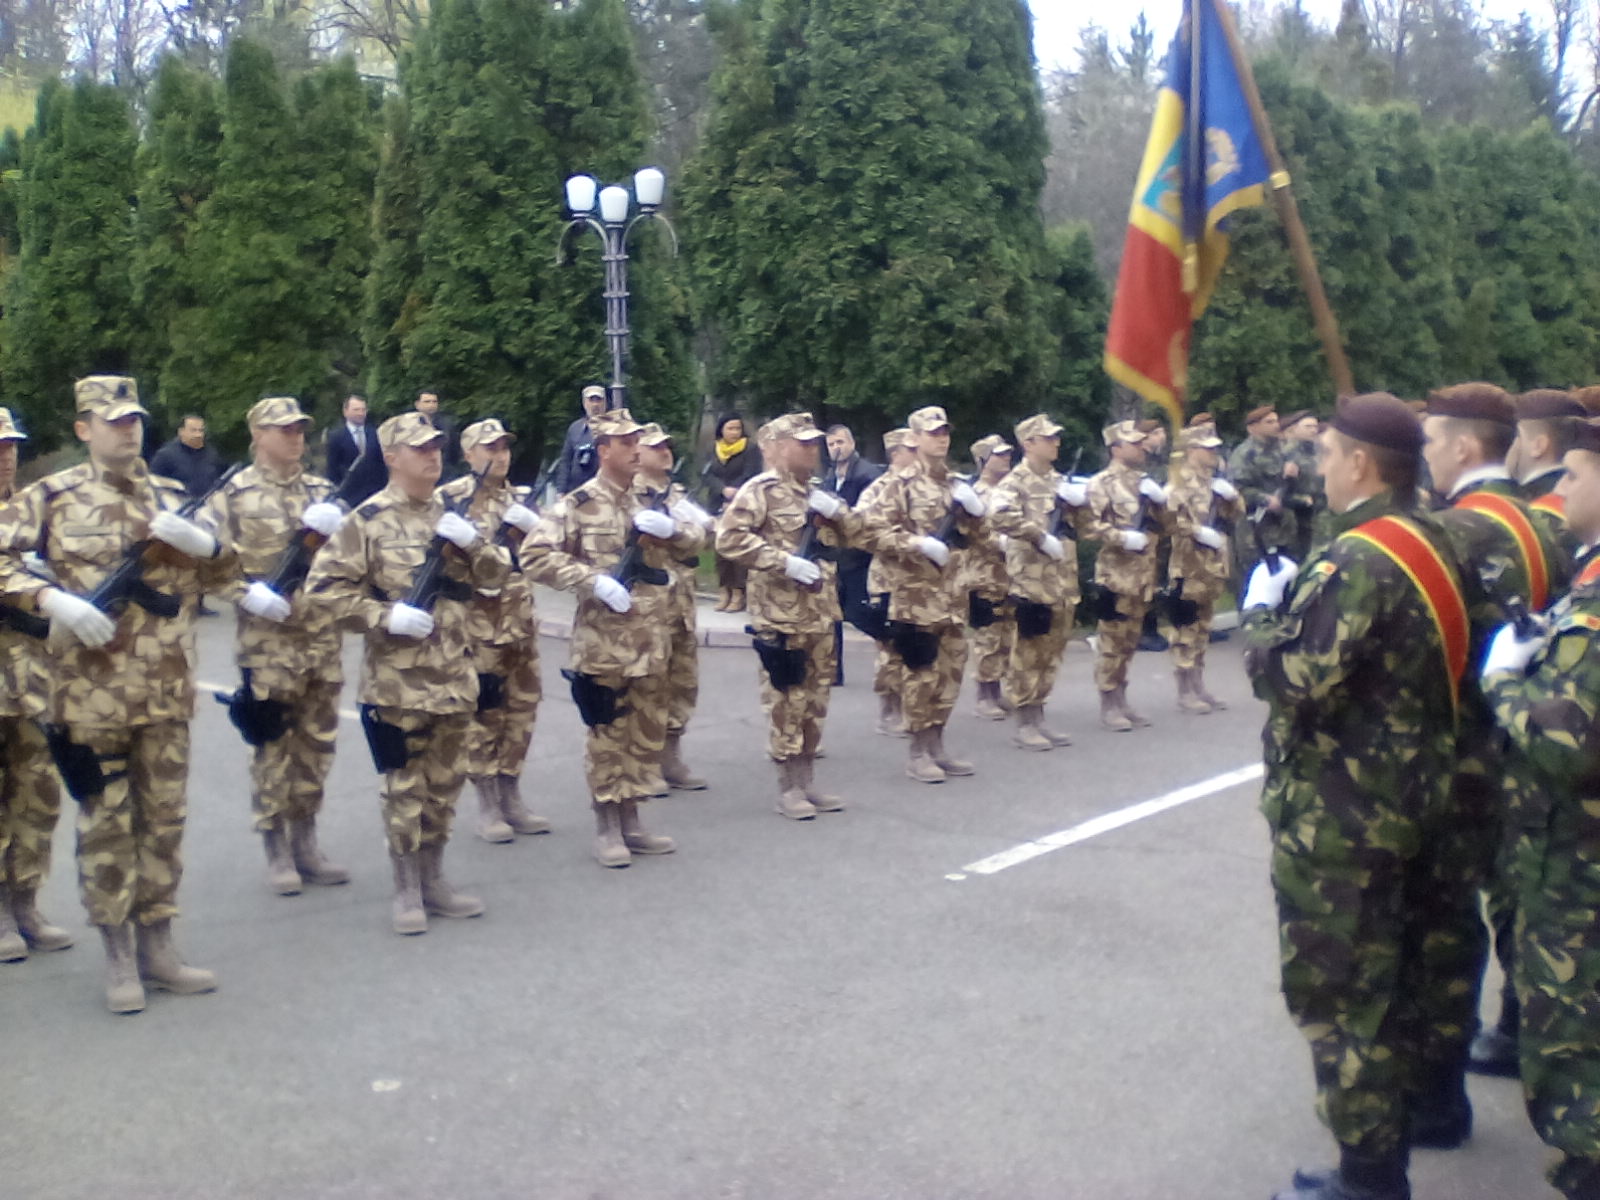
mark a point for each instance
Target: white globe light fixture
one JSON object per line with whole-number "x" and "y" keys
{"x": 580, "y": 193}
{"x": 649, "y": 185}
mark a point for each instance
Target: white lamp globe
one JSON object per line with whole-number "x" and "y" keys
{"x": 614, "y": 204}
{"x": 580, "y": 193}
{"x": 648, "y": 187}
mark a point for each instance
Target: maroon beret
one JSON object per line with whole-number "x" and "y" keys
{"x": 1259, "y": 414}
{"x": 1379, "y": 419}
{"x": 1546, "y": 404}
{"x": 1295, "y": 418}
{"x": 1586, "y": 436}
{"x": 1472, "y": 402}
{"x": 1201, "y": 418}
{"x": 1589, "y": 397}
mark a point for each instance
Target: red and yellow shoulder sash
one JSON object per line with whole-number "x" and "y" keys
{"x": 1550, "y": 503}
{"x": 1589, "y": 574}
{"x": 1435, "y": 582}
{"x": 1505, "y": 512}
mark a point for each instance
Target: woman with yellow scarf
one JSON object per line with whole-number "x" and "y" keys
{"x": 735, "y": 460}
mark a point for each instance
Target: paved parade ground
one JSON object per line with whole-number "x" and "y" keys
{"x": 840, "y": 1008}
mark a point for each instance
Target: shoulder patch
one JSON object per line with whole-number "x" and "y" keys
{"x": 369, "y": 510}
{"x": 316, "y": 481}
{"x": 1324, "y": 568}
{"x": 579, "y": 495}
{"x": 64, "y": 481}
{"x": 1585, "y": 621}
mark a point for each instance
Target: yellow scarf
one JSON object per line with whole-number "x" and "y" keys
{"x": 726, "y": 450}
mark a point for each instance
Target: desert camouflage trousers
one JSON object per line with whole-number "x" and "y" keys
{"x": 287, "y": 775}
{"x": 419, "y": 800}
{"x": 683, "y": 677}
{"x": 1119, "y": 641}
{"x": 130, "y": 836}
{"x": 795, "y": 716}
{"x": 1189, "y": 643}
{"x": 620, "y": 759}
{"x": 1035, "y": 660}
{"x": 991, "y": 647}
{"x": 498, "y": 738}
{"x": 1380, "y": 954}
{"x": 888, "y": 672}
{"x": 930, "y": 694}
{"x": 30, "y": 804}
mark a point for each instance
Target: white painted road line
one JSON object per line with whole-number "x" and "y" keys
{"x": 1106, "y": 822}
{"x": 349, "y": 714}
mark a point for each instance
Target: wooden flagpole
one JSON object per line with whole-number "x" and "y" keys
{"x": 1289, "y": 212}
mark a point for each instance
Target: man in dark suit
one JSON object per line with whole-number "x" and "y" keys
{"x": 847, "y": 476}
{"x": 345, "y": 441}
{"x": 428, "y": 405}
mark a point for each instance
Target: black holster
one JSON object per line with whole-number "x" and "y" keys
{"x": 78, "y": 765}
{"x": 785, "y": 667}
{"x": 1034, "y": 620}
{"x": 872, "y": 617}
{"x": 1103, "y": 603}
{"x": 258, "y": 721}
{"x": 386, "y": 741}
{"x": 491, "y": 691}
{"x": 981, "y": 612}
{"x": 917, "y": 647}
{"x": 1180, "y": 611}
{"x": 597, "y": 703}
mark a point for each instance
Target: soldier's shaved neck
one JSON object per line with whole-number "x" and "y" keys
{"x": 8, "y": 468}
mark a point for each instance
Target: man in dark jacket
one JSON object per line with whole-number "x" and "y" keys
{"x": 187, "y": 458}
{"x": 345, "y": 442}
{"x": 847, "y": 477}
{"x": 578, "y": 461}
{"x": 428, "y": 405}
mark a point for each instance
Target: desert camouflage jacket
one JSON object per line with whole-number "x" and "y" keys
{"x": 912, "y": 504}
{"x": 1024, "y": 507}
{"x": 504, "y": 615}
{"x": 681, "y": 564}
{"x": 1115, "y": 504}
{"x": 1194, "y": 505}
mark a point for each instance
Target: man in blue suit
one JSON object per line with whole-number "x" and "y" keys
{"x": 345, "y": 442}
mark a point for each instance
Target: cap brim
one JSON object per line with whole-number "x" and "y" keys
{"x": 808, "y": 435}
{"x": 117, "y": 411}
{"x": 306, "y": 421}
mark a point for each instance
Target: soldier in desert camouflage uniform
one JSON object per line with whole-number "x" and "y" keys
{"x": 683, "y": 654}
{"x": 620, "y": 637}
{"x": 122, "y": 689}
{"x": 888, "y": 672}
{"x": 288, "y": 655}
{"x": 1361, "y": 672}
{"x": 1546, "y": 694}
{"x": 987, "y": 587}
{"x": 30, "y": 796}
{"x": 794, "y": 602}
{"x": 1202, "y": 505}
{"x": 505, "y": 637}
{"x": 1127, "y": 510}
{"x": 419, "y": 675}
{"x": 926, "y": 602}
{"x": 1039, "y": 511}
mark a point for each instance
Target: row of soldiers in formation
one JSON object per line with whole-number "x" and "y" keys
{"x": 1432, "y": 674}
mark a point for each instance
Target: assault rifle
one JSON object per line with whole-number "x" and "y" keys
{"x": 430, "y": 582}
{"x": 631, "y": 567}
{"x": 19, "y": 620}
{"x": 1061, "y": 523}
{"x": 126, "y": 582}
{"x": 294, "y": 564}
{"x": 949, "y": 532}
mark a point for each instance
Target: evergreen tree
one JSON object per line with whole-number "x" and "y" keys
{"x": 68, "y": 307}
{"x": 1078, "y": 311}
{"x": 392, "y": 291}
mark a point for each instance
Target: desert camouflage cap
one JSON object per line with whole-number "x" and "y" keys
{"x": 897, "y": 439}
{"x": 593, "y": 389}
{"x": 799, "y": 426}
{"x": 277, "y": 410}
{"x": 1038, "y": 425}
{"x": 1126, "y": 433}
{"x": 614, "y": 422}
{"x": 409, "y": 429}
{"x": 653, "y": 435}
{"x": 481, "y": 433}
{"x": 926, "y": 420}
{"x": 108, "y": 396}
{"x": 8, "y": 428}
{"x": 988, "y": 447}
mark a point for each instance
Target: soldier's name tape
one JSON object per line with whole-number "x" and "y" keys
{"x": 1106, "y": 822}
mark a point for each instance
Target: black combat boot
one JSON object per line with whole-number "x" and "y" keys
{"x": 1439, "y": 1116}
{"x": 1359, "y": 1176}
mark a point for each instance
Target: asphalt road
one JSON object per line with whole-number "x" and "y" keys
{"x": 779, "y": 1010}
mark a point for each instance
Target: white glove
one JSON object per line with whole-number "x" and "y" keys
{"x": 456, "y": 530}
{"x": 323, "y": 518}
{"x": 824, "y": 505}
{"x": 612, "y": 594}
{"x": 261, "y": 601}
{"x": 802, "y": 570}
{"x": 1152, "y": 491}
{"x": 1132, "y": 540}
{"x": 182, "y": 535}
{"x": 1208, "y": 537}
{"x": 933, "y": 548}
{"x": 408, "y": 622}
{"x": 80, "y": 618}
{"x": 1072, "y": 493}
{"x": 963, "y": 495}
{"x": 1050, "y": 546}
{"x": 655, "y": 524}
{"x": 1508, "y": 652}
{"x": 1224, "y": 489}
{"x": 521, "y": 516}
{"x": 687, "y": 512}
{"x": 1267, "y": 587}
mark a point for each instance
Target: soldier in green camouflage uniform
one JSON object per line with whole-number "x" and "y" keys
{"x": 985, "y": 566}
{"x": 925, "y": 597}
{"x": 419, "y": 677}
{"x": 1122, "y": 499}
{"x": 1546, "y": 695}
{"x": 1203, "y": 507}
{"x": 289, "y": 654}
{"x": 122, "y": 689}
{"x": 683, "y": 645}
{"x": 1360, "y": 678}
{"x": 1266, "y": 478}
{"x": 794, "y": 601}
{"x": 30, "y": 797}
{"x": 888, "y": 674}
{"x": 1547, "y": 422}
{"x": 1304, "y": 498}
{"x": 505, "y": 637}
{"x": 620, "y": 637}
